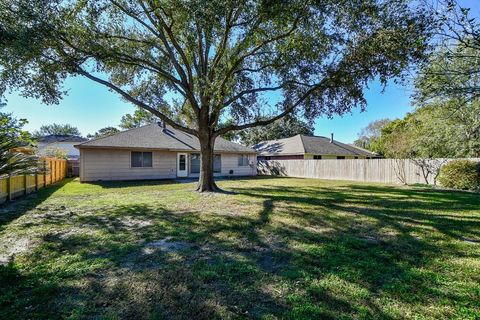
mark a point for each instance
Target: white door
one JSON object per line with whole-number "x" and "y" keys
{"x": 182, "y": 165}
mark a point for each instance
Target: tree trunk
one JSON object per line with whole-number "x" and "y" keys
{"x": 206, "y": 181}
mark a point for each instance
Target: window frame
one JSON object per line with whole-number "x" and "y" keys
{"x": 317, "y": 157}
{"x": 217, "y": 156}
{"x": 142, "y": 159}
{"x": 199, "y": 162}
{"x": 241, "y": 163}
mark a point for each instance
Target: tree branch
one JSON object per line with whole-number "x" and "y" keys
{"x": 281, "y": 86}
{"x": 136, "y": 102}
{"x": 280, "y": 115}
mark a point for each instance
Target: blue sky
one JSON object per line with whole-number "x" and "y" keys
{"x": 90, "y": 106}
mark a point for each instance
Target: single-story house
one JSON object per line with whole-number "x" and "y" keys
{"x": 156, "y": 151}
{"x": 309, "y": 147}
{"x": 65, "y": 143}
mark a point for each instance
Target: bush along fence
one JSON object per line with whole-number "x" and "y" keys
{"x": 12, "y": 187}
{"x": 390, "y": 171}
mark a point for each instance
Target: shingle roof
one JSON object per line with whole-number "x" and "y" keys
{"x": 61, "y": 138}
{"x": 153, "y": 136}
{"x": 301, "y": 144}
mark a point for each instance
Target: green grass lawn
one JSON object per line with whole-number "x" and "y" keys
{"x": 272, "y": 249}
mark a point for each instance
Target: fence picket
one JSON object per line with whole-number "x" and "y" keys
{"x": 391, "y": 171}
{"x": 14, "y": 186}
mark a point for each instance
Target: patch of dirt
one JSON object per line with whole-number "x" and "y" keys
{"x": 12, "y": 247}
{"x": 164, "y": 245}
{"x": 136, "y": 223}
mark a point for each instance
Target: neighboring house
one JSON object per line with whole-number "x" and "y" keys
{"x": 157, "y": 152}
{"x": 63, "y": 142}
{"x": 309, "y": 147}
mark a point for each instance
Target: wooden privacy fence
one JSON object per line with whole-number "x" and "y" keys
{"x": 395, "y": 171}
{"x": 12, "y": 187}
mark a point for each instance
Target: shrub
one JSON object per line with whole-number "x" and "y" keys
{"x": 54, "y": 152}
{"x": 460, "y": 174}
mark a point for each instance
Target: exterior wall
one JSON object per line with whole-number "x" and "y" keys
{"x": 68, "y": 147}
{"x": 111, "y": 164}
{"x": 114, "y": 164}
{"x": 230, "y": 162}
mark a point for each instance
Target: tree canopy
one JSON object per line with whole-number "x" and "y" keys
{"x": 12, "y": 128}
{"x": 446, "y": 125}
{"x": 57, "y": 129}
{"x": 446, "y": 119}
{"x": 369, "y": 136}
{"x": 103, "y": 132}
{"x": 447, "y": 129}
{"x": 282, "y": 128}
{"x": 196, "y": 64}
{"x": 12, "y": 137}
{"x": 139, "y": 118}
{"x": 452, "y": 71}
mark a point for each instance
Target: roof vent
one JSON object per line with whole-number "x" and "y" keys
{"x": 331, "y": 137}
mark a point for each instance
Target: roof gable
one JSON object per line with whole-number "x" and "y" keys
{"x": 291, "y": 145}
{"x": 154, "y": 136}
{"x": 61, "y": 138}
{"x": 301, "y": 144}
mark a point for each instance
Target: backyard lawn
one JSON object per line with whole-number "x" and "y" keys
{"x": 271, "y": 248}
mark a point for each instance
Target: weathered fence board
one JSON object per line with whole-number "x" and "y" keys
{"x": 393, "y": 171}
{"x": 16, "y": 186}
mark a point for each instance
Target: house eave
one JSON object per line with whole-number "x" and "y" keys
{"x": 158, "y": 149}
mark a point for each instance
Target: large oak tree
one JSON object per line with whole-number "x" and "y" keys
{"x": 204, "y": 62}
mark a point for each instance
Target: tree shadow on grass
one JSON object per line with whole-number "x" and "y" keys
{"x": 309, "y": 253}
{"x": 10, "y": 211}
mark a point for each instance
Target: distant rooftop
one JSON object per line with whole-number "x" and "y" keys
{"x": 302, "y": 144}
{"x": 61, "y": 138}
{"x": 154, "y": 136}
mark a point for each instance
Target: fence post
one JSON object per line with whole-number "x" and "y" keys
{"x": 45, "y": 172}
{"x": 36, "y": 181}
{"x": 9, "y": 188}
{"x": 25, "y": 186}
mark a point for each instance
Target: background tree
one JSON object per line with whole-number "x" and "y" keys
{"x": 57, "y": 129}
{"x": 369, "y": 136}
{"x": 282, "y": 128}
{"x": 12, "y": 137}
{"x": 450, "y": 73}
{"x": 397, "y": 139}
{"x": 139, "y": 118}
{"x": 12, "y": 128}
{"x": 103, "y": 133}
{"x": 210, "y": 61}
{"x": 433, "y": 131}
